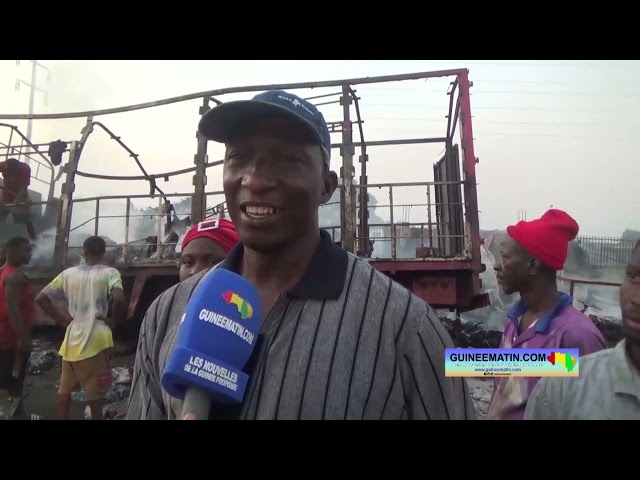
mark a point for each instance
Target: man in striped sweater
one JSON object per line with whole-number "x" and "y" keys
{"x": 345, "y": 342}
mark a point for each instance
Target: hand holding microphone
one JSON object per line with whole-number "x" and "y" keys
{"x": 214, "y": 343}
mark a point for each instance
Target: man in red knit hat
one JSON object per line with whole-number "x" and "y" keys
{"x": 543, "y": 317}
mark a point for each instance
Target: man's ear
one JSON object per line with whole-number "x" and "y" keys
{"x": 535, "y": 266}
{"x": 330, "y": 183}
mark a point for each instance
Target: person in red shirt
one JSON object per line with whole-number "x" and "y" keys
{"x": 15, "y": 189}
{"x": 16, "y": 317}
{"x": 206, "y": 244}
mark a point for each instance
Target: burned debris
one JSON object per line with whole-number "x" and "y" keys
{"x": 475, "y": 335}
{"x": 471, "y": 335}
{"x": 44, "y": 357}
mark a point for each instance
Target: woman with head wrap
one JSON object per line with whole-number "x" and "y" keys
{"x": 206, "y": 244}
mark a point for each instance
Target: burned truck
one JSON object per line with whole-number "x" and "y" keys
{"x": 423, "y": 233}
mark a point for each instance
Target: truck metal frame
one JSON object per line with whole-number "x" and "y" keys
{"x": 446, "y": 267}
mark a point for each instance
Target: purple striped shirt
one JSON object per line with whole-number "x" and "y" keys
{"x": 564, "y": 326}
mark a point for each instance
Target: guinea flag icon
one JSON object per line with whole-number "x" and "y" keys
{"x": 564, "y": 359}
{"x": 244, "y": 308}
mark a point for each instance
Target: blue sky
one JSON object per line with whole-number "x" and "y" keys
{"x": 547, "y": 132}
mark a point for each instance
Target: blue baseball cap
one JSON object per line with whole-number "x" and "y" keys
{"x": 223, "y": 121}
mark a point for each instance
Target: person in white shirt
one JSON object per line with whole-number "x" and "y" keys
{"x": 86, "y": 349}
{"x": 608, "y": 385}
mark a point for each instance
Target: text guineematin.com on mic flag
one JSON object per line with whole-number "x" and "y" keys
{"x": 215, "y": 340}
{"x": 508, "y": 362}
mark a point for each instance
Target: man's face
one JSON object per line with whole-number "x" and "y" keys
{"x": 274, "y": 181}
{"x": 630, "y": 299}
{"x": 23, "y": 254}
{"x": 513, "y": 267}
{"x": 13, "y": 168}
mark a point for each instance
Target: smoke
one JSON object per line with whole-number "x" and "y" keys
{"x": 111, "y": 228}
{"x": 110, "y": 224}
{"x": 44, "y": 249}
{"x": 76, "y": 88}
{"x": 597, "y": 300}
{"x": 143, "y": 222}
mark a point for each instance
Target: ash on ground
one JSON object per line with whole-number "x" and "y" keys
{"x": 480, "y": 390}
{"x": 45, "y": 359}
{"x": 475, "y": 335}
{"x": 611, "y": 330}
{"x": 117, "y": 397}
{"x": 471, "y": 335}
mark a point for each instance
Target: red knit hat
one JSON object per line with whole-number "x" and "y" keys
{"x": 220, "y": 230}
{"x": 546, "y": 238}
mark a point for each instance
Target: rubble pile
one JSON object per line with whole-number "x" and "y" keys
{"x": 474, "y": 335}
{"x": 480, "y": 395}
{"x": 121, "y": 386}
{"x": 44, "y": 357}
{"x": 471, "y": 335}
{"x": 7, "y": 407}
{"x": 117, "y": 397}
{"x": 610, "y": 329}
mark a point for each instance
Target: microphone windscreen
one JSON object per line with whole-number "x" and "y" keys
{"x": 216, "y": 337}
{"x": 222, "y": 318}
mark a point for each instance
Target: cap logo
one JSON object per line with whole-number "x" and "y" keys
{"x": 209, "y": 224}
{"x": 296, "y": 103}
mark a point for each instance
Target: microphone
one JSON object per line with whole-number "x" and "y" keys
{"x": 215, "y": 340}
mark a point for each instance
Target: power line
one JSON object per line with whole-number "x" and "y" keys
{"x": 480, "y": 134}
{"x": 538, "y": 82}
{"x": 558, "y": 135}
{"x": 508, "y": 92}
{"x": 463, "y": 63}
{"x": 483, "y": 122}
{"x": 475, "y": 81}
{"x": 413, "y": 105}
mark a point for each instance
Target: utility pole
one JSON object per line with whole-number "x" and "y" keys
{"x": 522, "y": 215}
{"x": 33, "y": 88}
